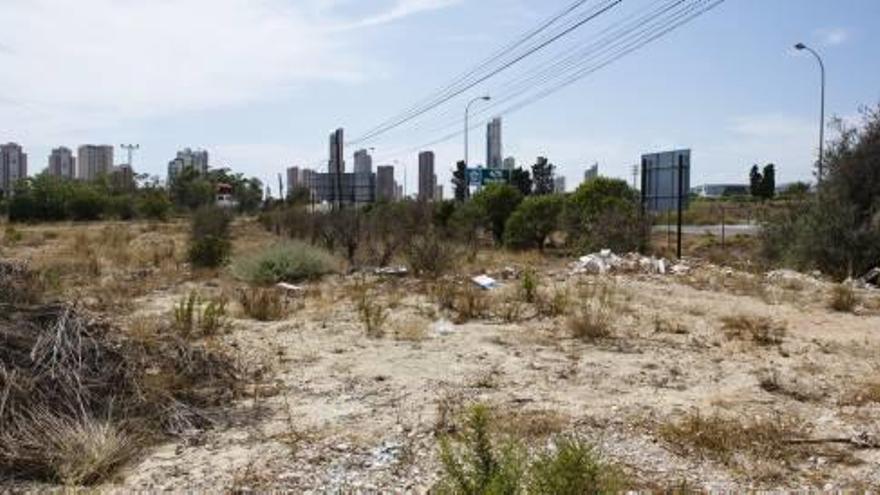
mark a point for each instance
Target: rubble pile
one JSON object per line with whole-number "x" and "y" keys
{"x": 606, "y": 261}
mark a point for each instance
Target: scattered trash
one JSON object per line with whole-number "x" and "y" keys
{"x": 290, "y": 289}
{"x": 443, "y": 327}
{"x": 872, "y": 278}
{"x": 606, "y": 261}
{"x": 485, "y": 282}
{"x": 392, "y": 271}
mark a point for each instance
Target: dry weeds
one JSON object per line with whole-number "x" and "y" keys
{"x": 761, "y": 330}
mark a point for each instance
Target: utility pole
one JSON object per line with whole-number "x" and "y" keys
{"x": 280, "y": 188}
{"x": 680, "y": 200}
{"x": 130, "y": 148}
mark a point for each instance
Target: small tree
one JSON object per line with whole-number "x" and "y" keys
{"x": 604, "y": 213}
{"x": 498, "y": 202}
{"x": 542, "y": 176}
{"x": 756, "y": 180}
{"x": 768, "y": 182}
{"x": 209, "y": 238}
{"x": 533, "y": 221}
{"x": 520, "y": 179}
{"x": 460, "y": 181}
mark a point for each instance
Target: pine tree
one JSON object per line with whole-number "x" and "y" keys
{"x": 755, "y": 182}
{"x": 520, "y": 179}
{"x": 460, "y": 181}
{"x": 542, "y": 176}
{"x": 768, "y": 183}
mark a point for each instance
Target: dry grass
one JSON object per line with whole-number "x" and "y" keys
{"x": 725, "y": 438}
{"x": 865, "y": 393}
{"x": 372, "y": 313}
{"x": 410, "y": 329}
{"x": 534, "y": 424}
{"x": 662, "y": 325}
{"x": 843, "y": 299}
{"x": 263, "y": 304}
{"x": 593, "y": 320}
{"x": 68, "y": 450}
{"x": 758, "y": 329}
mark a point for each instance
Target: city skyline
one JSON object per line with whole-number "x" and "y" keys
{"x": 769, "y": 115}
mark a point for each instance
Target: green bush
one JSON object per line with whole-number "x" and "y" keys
{"x": 476, "y": 465}
{"x": 292, "y": 261}
{"x": 209, "y": 239}
{"x": 533, "y": 221}
{"x": 498, "y": 202}
{"x": 86, "y": 203}
{"x": 605, "y": 213}
{"x": 836, "y": 230}
{"x": 154, "y": 205}
{"x": 572, "y": 468}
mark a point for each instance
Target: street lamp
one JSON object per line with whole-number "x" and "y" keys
{"x": 467, "y": 110}
{"x": 801, "y": 47}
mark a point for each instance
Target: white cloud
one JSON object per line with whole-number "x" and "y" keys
{"x": 833, "y": 36}
{"x": 770, "y": 126}
{"x": 71, "y": 66}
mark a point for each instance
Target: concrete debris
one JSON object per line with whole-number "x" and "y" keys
{"x": 606, "y": 261}
{"x": 786, "y": 277}
{"x": 392, "y": 271}
{"x": 872, "y": 278}
{"x": 290, "y": 289}
{"x": 485, "y": 282}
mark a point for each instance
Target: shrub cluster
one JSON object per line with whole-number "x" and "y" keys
{"x": 209, "y": 237}
{"x": 292, "y": 261}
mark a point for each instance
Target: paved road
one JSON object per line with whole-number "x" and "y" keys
{"x": 729, "y": 230}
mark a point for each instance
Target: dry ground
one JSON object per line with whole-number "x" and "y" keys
{"x": 699, "y": 376}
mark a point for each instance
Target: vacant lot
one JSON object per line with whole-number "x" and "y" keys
{"x": 711, "y": 378}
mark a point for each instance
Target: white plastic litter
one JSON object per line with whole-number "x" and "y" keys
{"x": 485, "y": 282}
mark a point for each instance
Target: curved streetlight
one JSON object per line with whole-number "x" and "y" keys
{"x": 467, "y": 110}
{"x": 801, "y": 47}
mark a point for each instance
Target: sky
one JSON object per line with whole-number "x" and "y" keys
{"x": 261, "y": 83}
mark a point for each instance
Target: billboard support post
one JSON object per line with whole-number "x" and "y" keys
{"x": 680, "y": 199}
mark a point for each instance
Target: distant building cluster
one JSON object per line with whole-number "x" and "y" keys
{"x": 90, "y": 163}
{"x": 187, "y": 159}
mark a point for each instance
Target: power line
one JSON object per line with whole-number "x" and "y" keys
{"x": 446, "y": 97}
{"x": 576, "y": 72}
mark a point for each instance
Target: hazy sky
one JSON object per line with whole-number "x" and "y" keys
{"x": 260, "y": 83}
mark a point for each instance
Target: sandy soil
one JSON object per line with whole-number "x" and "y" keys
{"x": 338, "y": 411}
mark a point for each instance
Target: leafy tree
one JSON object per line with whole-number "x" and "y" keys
{"x": 466, "y": 224}
{"x": 604, "y": 213}
{"x": 154, "y": 204}
{"x": 533, "y": 221}
{"x": 756, "y": 180}
{"x": 836, "y": 230}
{"x": 542, "y": 176}
{"x": 86, "y": 202}
{"x": 768, "y": 182}
{"x": 209, "y": 238}
{"x": 498, "y": 202}
{"x": 460, "y": 181}
{"x": 522, "y": 180}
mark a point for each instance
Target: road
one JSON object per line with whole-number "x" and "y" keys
{"x": 729, "y": 230}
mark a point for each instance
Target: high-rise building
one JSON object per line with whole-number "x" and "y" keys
{"x": 363, "y": 162}
{"x": 438, "y": 191}
{"x": 62, "y": 163}
{"x": 294, "y": 179}
{"x": 559, "y": 184}
{"x": 592, "y": 172}
{"x": 188, "y": 159}
{"x": 336, "y": 164}
{"x": 94, "y": 161}
{"x": 385, "y": 186}
{"x": 122, "y": 177}
{"x": 427, "y": 178}
{"x": 509, "y": 163}
{"x": 13, "y": 166}
{"x": 493, "y": 144}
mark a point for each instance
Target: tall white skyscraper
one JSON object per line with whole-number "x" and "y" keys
{"x": 94, "y": 161}
{"x": 62, "y": 163}
{"x": 13, "y": 166}
{"x": 493, "y": 144}
{"x": 363, "y": 162}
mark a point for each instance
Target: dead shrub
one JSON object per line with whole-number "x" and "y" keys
{"x": 263, "y": 304}
{"x": 843, "y": 298}
{"x": 554, "y": 302}
{"x": 590, "y": 323}
{"x": 662, "y": 325}
{"x": 372, "y": 313}
{"x": 412, "y": 329}
{"x": 758, "y": 329}
{"x": 724, "y": 438}
{"x": 18, "y": 283}
{"x": 63, "y": 367}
